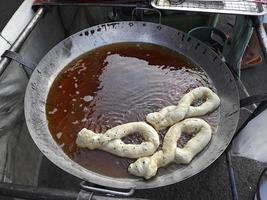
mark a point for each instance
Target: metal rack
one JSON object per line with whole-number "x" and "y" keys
{"x": 212, "y": 6}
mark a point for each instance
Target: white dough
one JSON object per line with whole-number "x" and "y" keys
{"x": 147, "y": 166}
{"x": 173, "y": 114}
{"x": 112, "y": 143}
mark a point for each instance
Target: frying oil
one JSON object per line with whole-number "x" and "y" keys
{"x": 112, "y": 85}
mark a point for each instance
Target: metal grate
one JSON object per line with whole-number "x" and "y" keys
{"x": 248, "y": 7}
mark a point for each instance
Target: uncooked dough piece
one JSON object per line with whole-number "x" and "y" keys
{"x": 112, "y": 143}
{"x": 147, "y": 166}
{"x": 170, "y": 115}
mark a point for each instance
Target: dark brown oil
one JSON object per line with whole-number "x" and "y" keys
{"x": 112, "y": 85}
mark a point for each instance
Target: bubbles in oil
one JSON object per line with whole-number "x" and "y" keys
{"x": 112, "y": 85}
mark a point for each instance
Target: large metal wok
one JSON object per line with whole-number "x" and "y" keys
{"x": 86, "y": 40}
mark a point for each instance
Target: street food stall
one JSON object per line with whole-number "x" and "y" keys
{"x": 158, "y": 79}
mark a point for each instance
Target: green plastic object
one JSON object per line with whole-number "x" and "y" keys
{"x": 211, "y": 36}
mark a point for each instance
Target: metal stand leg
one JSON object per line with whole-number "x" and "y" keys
{"x": 4, "y": 62}
{"x": 231, "y": 175}
{"x": 213, "y": 21}
{"x": 33, "y": 193}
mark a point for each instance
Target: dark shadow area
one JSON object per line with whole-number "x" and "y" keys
{"x": 7, "y": 9}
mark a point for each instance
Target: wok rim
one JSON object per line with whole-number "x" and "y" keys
{"x": 75, "y": 169}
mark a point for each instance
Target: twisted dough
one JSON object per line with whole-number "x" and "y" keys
{"x": 147, "y": 166}
{"x": 170, "y": 115}
{"x": 112, "y": 143}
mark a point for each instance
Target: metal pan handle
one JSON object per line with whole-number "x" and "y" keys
{"x": 148, "y": 9}
{"x": 253, "y": 99}
{"x": 100, "y": 190}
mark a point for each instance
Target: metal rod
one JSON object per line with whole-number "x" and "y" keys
{"x": 5, "y": 39}
{"x": 262, "y": 37}
{"x": 231, "y": 175}
{"x": 244, "y": 89}
{"x": 253, "y": 99}
{"x": 42, "y": 193}
{"x": 96, "y": 5}
{"x": 107, "y": 191}
{"x": 146, "y": 9}
{"x": 33, "y": 193}
{"x": 214, "y": 18}
{"x": 4, "y": 62}
{"x": 261, "y": 107}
